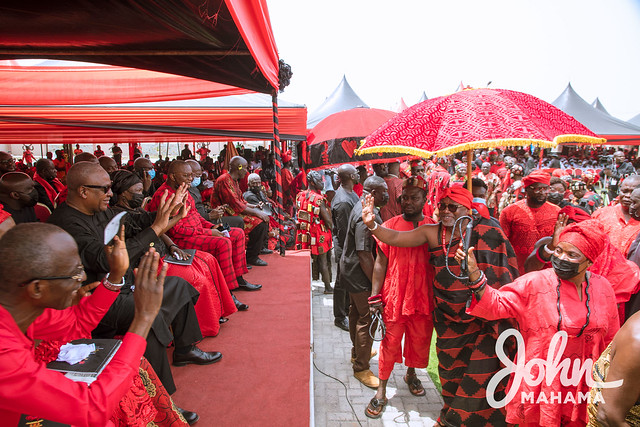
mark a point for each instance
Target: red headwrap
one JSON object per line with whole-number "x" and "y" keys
{"x": 588, "y": 236}
{"x": 536, "y": 176}
{"x": 575, "y": 214}
{"x": 4, "y": 215}
{"x": 459, "y": 195}
{"x": 415, "y": 181}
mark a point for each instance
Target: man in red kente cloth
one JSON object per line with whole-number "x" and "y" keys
{"x": 621, "y": 227}
{"x": 465, "y": 344}
{"x": 227, "y": 193}
{"x": 194, "y": 232}
{"x": 314, "y": 226}
{"x": 402, "y": 282}
{"x": 566, "y": 302}
{"x": 527, "y": 221}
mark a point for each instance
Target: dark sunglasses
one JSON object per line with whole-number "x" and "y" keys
{"x": 452, "y": 207}
{"x": 78, "y": 277}
{"x": 105, "y": 188}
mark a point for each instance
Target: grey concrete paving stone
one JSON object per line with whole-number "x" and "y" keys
{"x": 332, "y": 350}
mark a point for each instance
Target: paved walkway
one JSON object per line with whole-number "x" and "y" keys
{"x": 332, "y": 351}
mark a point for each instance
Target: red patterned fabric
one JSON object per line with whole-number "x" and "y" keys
{"x": 524, "y": 226}
{"x": 621, "y": 233}
{"x": 312, "y": 232}
{"x": 469, "y": 118}
{"x": 494, "y": 187}
{"x": 392, "y": 208}
{"x": 215, "y": 300}
{"x": 226, "y": 191}
{"x": 536, "y": 293}
{"x": 146, "y": 401}
{"x": 193, "y": 232}
{"x": 4, "y": 215}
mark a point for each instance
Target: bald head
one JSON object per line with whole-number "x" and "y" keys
{"x": 373, "y": 182}
{"x": 14, "y": 181}
{"x": 179, "y": 166}
{"x": 196, "y": 169}
{"x": 108, "y": 164}
{"x": 23, "y": 244}
{"x": 85, "y": 157}
{"x": 236, "y": 162}
{"x": 83, "y": 173}
{"x": 347, "y": 173}
{"x": 142, "y": 163}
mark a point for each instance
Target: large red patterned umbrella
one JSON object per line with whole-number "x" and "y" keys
{"x": 476, "y": 118}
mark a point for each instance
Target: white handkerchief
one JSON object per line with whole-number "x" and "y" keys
{"x": 74, "y": 353}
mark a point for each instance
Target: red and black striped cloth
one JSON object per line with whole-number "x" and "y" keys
{"x": 466, "y": 344}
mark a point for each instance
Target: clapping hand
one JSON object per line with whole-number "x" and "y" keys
{"x": 368, "y": 217}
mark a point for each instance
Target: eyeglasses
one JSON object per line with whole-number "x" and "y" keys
{"x": 77, "y": 277}
{"x": 452, "y": 207}
{"x": 105, "y": 188}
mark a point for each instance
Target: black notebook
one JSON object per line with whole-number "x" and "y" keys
{"x": 171, "y": 260}
{"x": 89, "y": 369}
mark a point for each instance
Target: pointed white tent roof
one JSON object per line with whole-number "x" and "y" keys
{"x": 423, "y": 97}
{"x": 635, "y": 120}
{"x": 598, "y": 106}
{"x": 342, "y": 98}
{"x": 603, "y": 124}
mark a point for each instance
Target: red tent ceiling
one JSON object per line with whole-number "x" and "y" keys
{"x": 226, "y": 41}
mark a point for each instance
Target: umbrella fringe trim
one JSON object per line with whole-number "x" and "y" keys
{"x": 507, "y": 142}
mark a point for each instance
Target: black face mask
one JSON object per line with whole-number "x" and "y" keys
{"x": 136, "y": 200}
{"x": 564, "y": 269}
{"x": 555, "y": 198}
{"x": 256, "y": 190}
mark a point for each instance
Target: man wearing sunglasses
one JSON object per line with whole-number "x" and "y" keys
{"x": 36, "y": 303}
{"x": 466, "y": 344}
{"x": 85, "y": 215}
{"x": 18, "y": 195}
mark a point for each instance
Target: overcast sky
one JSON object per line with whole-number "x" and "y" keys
{"x": 393, "y": 49}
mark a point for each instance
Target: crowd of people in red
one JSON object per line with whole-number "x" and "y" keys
{"x": 555, "y": 238}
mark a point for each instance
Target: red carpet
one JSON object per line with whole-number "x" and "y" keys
{"x": 263, "y": 377}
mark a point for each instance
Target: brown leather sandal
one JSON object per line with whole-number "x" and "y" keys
{"x": 415, "y": 386}
{"x": 375, "y": 407}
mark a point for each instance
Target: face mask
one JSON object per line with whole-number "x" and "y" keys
{"x": 195, "y": 182}
{"x": 479, "y": 200}
{"x": 136, "y": 200}
{"x": 555, "y": 198}
{"x": 152, "y": 173}
{"x": 564, "y": 269}
{"x": 255, "y": 189}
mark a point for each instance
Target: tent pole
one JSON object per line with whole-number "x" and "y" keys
{"x": 469, "y": 163}
{"x": 278, "y": 169}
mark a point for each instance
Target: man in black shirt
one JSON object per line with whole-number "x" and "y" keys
{"x": 85, "y": 215}
{"x": 18, "y": 195}
{"x": 356, "y": 271}
{"x": 341, "y": 205}
{"x": 616, "y": 173}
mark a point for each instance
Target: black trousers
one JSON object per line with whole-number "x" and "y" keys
{"x": 257, "y": 237}
{"x": 176, "y": 321}
{"x": 340, "y": 295}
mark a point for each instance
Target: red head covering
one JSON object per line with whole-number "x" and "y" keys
{"x": 588, "y": 236}
{"x": 535, "y": 177}
{"x": 4, "y": 215}
{"x": 575, "y": 214}
{"x": 459, "y": 195}
{"x": 415, "y": 181}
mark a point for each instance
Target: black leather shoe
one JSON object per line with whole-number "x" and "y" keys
{"x": 223, "y": 320}
{"x": 328, "y": 289}
{"x": 258, "y": 262}
{"x": 197, "y": 357}
{"x": 342, "y": 324}
{"x": 246, "y": 286}
{"x": 265, "y": 251}
{"x": 239, "y": 305}
{"x": 190, "y": 417}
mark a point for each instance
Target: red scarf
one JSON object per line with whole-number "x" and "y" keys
{"x": 51, "y": 192}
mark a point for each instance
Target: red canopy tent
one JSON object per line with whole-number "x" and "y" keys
{"x": 223, "y": 41}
